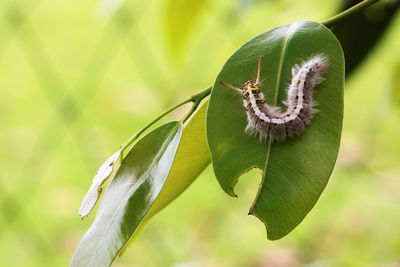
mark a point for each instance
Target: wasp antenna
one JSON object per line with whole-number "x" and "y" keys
{"x": 228, "y": 85}
{"x": 259, "y": 68}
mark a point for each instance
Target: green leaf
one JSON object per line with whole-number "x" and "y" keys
{"x": 191, "y": 159}
{"x": 130, "y": 195}
{"x": 295, "y": 171}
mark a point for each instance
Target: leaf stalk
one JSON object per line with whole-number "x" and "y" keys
{"x": 196, "y": 99}
{"x": 348, "y": 12}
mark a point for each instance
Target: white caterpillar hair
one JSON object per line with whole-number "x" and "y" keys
{"x": 269, "y": 120}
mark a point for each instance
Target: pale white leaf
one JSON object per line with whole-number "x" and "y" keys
{"x": 95, "y": 189}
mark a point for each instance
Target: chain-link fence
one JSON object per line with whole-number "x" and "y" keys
{"x": 77, "y": 78}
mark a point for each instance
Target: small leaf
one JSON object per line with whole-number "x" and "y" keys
{"x": 95, "y": 189}
{"x": 295, "y": 171}
{"x": 130, "y": 195}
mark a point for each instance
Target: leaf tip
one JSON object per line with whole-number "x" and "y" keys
{"x": 89, "y": 201}
{"x": 273, "y": 236}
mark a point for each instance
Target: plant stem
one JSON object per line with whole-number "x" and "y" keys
{"x": 196, "y": 99}
{"x": 348, "y": 12}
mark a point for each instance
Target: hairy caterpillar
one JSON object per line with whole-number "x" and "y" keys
{"x": 270, "y": 120}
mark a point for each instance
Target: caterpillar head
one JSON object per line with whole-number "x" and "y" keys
{"x": 249, "y": 85}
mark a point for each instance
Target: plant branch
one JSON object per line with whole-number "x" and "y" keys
{"x": 348, "y": 12}
{"x": 196, "y": 99}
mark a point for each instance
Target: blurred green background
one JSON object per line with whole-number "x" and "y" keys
{"x": 77, "y": 78}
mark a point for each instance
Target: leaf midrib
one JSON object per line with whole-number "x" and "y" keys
{"x": 278, "y": 80}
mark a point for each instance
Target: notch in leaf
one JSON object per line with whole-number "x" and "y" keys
{"x": 296, "y": 171}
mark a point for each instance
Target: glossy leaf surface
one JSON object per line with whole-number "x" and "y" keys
{"x": 191, "y": 159}
{"x": 295, "y": 171}
{"x": 129, "y": 196}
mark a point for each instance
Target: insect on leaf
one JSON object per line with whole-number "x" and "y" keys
{"x": 297, "y": 169}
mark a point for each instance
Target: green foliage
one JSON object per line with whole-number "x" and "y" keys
{"x": 296, "y": 170}
{"x": 135, "y": 189}
{"x": 130, "y": 195}
{"x": 192, "y": 149}
{"x": 190, "y": 160}
{"x": 75, "y": 87}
